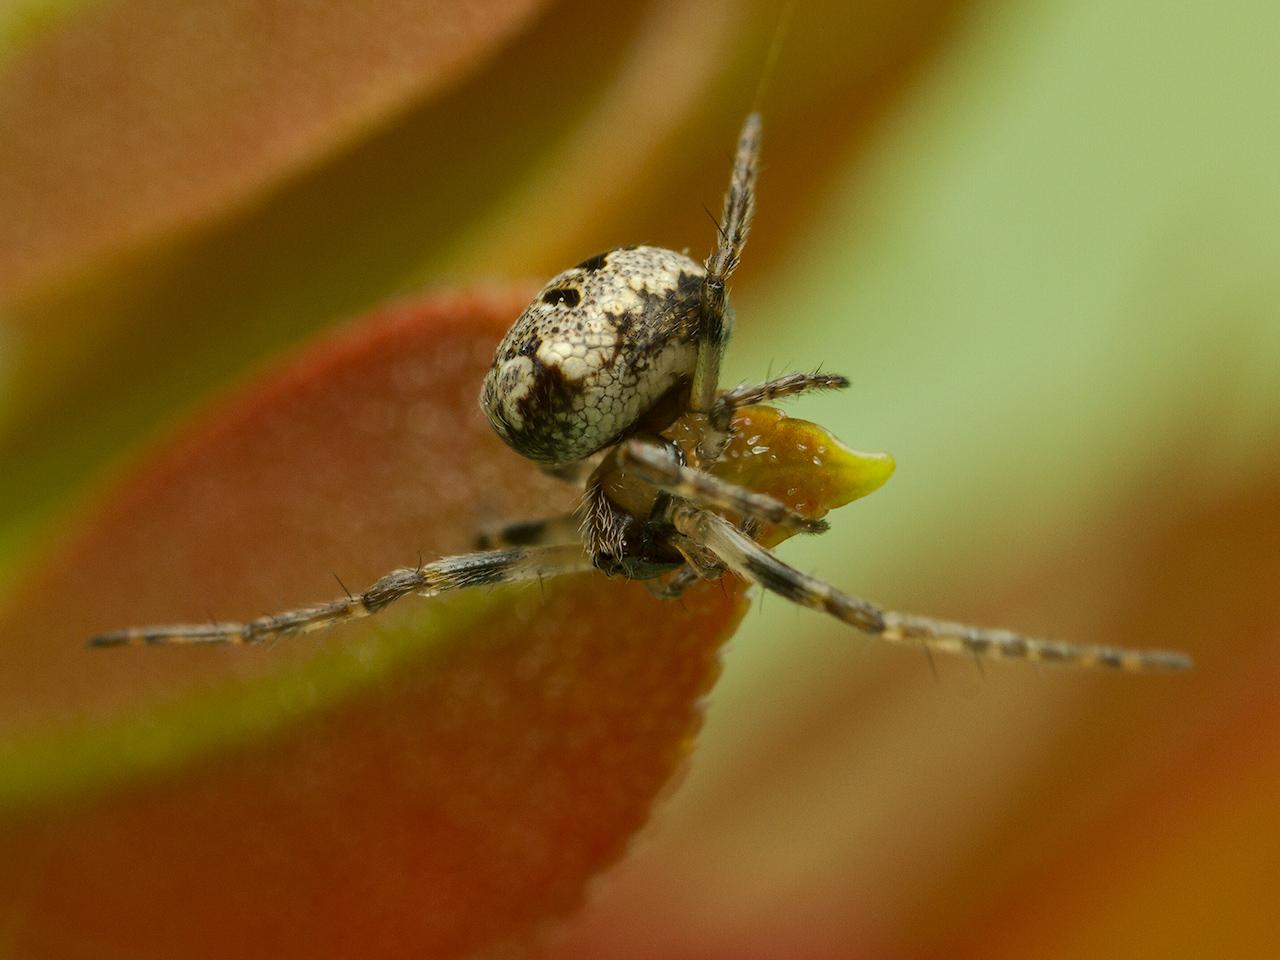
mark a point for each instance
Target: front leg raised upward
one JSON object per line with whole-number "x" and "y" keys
{"x": 715, "y": 316}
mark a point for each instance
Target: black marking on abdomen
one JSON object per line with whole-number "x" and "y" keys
{"x": 591, "y": 264}
{"x": 566, "y": 295}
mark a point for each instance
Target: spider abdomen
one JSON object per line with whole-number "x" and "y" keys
{"x": 600, "y": 345}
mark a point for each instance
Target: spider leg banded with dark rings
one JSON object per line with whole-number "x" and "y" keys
{"x": 716, "y": 320}
{"x": 778, "y": 388}
{"x": 752, "y": 562}
{"x": 656, "y": 466}
{"x": 451, "y": 573}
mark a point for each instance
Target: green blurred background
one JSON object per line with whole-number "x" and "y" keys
{"x": 1042, "y": 239}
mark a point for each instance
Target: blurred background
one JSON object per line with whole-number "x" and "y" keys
{"x": 1043, "y": 240}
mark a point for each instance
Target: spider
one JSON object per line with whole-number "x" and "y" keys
{"x": 610, "y": 377}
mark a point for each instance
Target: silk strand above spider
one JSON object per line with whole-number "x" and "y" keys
{"x": 612, "y": 375}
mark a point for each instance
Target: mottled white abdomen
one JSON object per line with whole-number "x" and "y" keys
{"x": 593, "y": 353}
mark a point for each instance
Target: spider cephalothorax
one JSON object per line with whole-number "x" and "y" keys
{"x": 611, "y": 377}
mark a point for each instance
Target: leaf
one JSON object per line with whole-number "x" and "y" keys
{"x": 123, "y": 121}
{"x": 435, "y": 780}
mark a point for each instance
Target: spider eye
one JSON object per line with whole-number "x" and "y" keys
{"x": 566, "y": 295}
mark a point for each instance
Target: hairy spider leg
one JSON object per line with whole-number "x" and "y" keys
{"x": 753, "y": 563}
{"x": 674, "y": 586}
{"x": 656, "y": 466}
{"x": 601, "y": 526}
{"x": 450, "y": 573}
{"x": 716, "y": 319}
{"x": 779, "y": 388}
{"x": 721, "y": 418}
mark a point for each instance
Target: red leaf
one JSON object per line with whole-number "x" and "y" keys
{"x": 429, "y": 782}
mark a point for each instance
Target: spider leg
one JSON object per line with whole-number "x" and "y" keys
{"x": 717, "y": 320}
{"x": 530, "y": 533}
{"x": 787, "y": 385}
{"x": 754, "y": 563}
{"x": 654, "y": 465}
{"x": 698, "y": 560}
{"x": 450, "y": 573}
{"x": 603, "y": 527}
{"x": 674, "y": 586}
